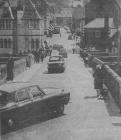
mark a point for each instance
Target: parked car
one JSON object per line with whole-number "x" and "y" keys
{"x": 70, "y": 37}
{"x": 57, "y": 47}
{"x": 63, "y": 52}
{"x": 56, "y": 30}
{"x": 20, "y": 102}
{"x": 56, "y": 63}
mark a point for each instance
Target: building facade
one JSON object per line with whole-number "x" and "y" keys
{"x": 22, "y": 25}
{"x": 6, "y": 29}
{"x": 64, "y": 17}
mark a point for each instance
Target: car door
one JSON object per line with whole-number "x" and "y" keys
{"x": 39, "y": 106}
{"x": 24, "y": 105}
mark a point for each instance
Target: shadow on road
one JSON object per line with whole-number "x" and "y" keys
{"x": 90, "y": 97}
{"x": 112, "y": 108}
{"x": 34, "y": 121}
{"x": 117, "y": 124}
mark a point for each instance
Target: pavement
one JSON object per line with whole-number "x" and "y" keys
{"x": 30, "y": 72}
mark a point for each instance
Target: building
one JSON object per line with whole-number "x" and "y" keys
{"x": 23, "y": 24}
{"x": 77, "y": 18}
{"x": 104, "y": 9}
{"x": 6, "y": 28}
{"x": 64, "y": 17}
{"x": 95, "y": 33}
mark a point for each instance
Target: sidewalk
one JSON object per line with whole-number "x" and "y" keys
{"x": 28, "y": 73}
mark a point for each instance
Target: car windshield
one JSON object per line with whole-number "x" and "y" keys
{"x": 55, "y": 58}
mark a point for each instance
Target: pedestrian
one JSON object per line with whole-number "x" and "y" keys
{"x": 42, "y": 56}
{"x": 46, "y": 48}
{"x": 98, "y": 81}
{"x": 73, "y": 50}
{"x": 10, "y": 67}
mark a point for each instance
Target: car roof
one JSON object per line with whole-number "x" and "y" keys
{"x": 14, "y": 86}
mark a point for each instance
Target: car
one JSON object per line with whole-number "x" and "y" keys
{"x": 56, "y": 30}
{"x": 57, "y": 47}
{"x": 70, "y": 37}
{"x": 21, "y": 102}
{"x": 56, "y": 63}
{"x": 67, "y": 29}
{"x": 63, "y": 52}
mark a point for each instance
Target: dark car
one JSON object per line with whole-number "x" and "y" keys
{"x": 20, "y": 102}
{"x": 56, "y": 63}
{"x": 56, "y": 30}
{"x": 57, "y": 47}
{"x": 63, "y": 52}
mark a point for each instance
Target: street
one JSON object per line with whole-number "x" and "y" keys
{"x": 85, "y": 117}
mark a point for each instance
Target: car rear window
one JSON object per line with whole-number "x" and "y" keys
{"x": 55, "y": 58}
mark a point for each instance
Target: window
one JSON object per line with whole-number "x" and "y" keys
{"x": 9, "y": 43}
{"x": 32, "y": 44}
{"x": 55, "y": 58}
{"x": 1, "y": 43}
{"x": 5, "y": 43}
{"x": 2, "y": 24}
{"x": 37, "y": 44}
{"x": 35, "y": 91}
{"x": 22, "y": 95}
{"x": 8, "y": 24}
{"x": 97, "y": 34}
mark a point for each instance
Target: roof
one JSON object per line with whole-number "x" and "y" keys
{"x": 98, "y": 23}
{"x": 6, "y": 11}
{"x": 65, "y": 12}
{"x": 13, "y": 3}
{"x": 30, "y": 12}
{"x": 118, "y": 2}
{"x": 14, "y": 86}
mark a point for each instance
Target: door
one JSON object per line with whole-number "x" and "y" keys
{"x": 39, "y": 106}
{"x": 24, "y": 104}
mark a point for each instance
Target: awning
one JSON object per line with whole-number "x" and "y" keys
{"x": 98, "y": 23}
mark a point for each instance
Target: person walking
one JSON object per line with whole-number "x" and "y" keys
{"x": 46, "y": 48}
{"x": 98, "y": 81}
{"x": 42, "y": 56}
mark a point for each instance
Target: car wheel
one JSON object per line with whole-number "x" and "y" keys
{"x": 60, "y": 110}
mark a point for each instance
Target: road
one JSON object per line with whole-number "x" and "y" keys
{"x": 85, "y": 118}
